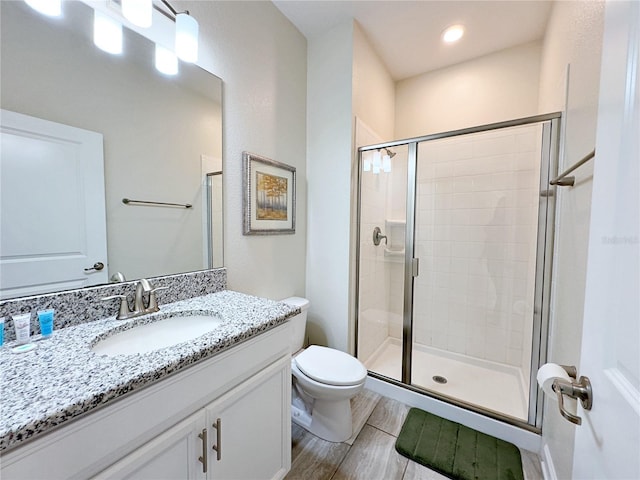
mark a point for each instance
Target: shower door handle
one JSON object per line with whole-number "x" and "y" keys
{"x": 415, "y": 267}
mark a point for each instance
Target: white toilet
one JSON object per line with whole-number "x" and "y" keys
{"x": 324, "y": 381}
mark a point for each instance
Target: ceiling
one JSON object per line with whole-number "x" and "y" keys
{"x": 406, "y": 34}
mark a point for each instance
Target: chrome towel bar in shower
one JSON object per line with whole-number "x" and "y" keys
{"x": 563, "y": 180}
{"x": 128, "y": 201}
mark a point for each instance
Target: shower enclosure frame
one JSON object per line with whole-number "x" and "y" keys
{"x": 551, "y": 124}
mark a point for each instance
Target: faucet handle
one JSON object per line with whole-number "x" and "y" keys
{"x": 153, "y": 301}
{"x": 124, "y": 311}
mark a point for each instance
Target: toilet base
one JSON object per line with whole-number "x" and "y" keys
{"x": 330, "y": 420}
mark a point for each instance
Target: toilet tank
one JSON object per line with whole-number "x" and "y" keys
{"x": 298, "y": 323}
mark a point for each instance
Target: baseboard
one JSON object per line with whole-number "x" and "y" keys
{"x": 548, "y": 470}
{"x": 518, "y": 436}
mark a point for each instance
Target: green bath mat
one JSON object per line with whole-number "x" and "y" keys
{"x": 456, "y": 451}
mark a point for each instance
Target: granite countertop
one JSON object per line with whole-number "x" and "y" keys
{"x": 62, "y": 378}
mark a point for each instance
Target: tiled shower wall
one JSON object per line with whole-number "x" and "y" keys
{"x": 476, "y": 224}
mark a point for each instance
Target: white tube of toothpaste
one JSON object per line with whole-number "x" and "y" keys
{"x": 22, "y": 324}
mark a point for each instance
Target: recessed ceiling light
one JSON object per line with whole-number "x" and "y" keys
{"x": 453, "y": 34}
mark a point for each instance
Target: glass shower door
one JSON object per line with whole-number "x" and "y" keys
{"x": 477, "y": 199}
{"x": 381, "y": 255}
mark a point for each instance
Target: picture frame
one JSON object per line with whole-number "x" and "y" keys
{"x": 269, "y": 203}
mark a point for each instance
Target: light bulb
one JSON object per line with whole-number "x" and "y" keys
{"x": 50, "y": 8}
{"x": 186, "y": 37}
{"x": 386, "y": 163}
{"x": 107, "y": 33}
{"x": 138, "y": 12}
{"x": 166, "y": 61}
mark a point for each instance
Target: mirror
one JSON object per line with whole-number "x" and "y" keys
{"x": 162, "y": 136}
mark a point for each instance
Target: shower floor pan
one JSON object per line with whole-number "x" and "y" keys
{"x": 488, "y": 385}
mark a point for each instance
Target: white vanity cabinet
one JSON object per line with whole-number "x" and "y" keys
{"x": 168, "y": 430}
{"x": 241, "y": 435}
{"x": 172, "y": 455}
{"x": 251, "y": 428}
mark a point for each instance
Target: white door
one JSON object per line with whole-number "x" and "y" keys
{"x": 52, "y": 208}
{"x": 607, "y": 444}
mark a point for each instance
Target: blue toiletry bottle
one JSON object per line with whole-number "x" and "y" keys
{"x": 46, "y": 322}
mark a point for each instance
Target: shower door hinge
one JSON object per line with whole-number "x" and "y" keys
{"x": 415, "y": 262}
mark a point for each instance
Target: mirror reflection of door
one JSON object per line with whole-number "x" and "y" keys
{"x": 52, "y": 207}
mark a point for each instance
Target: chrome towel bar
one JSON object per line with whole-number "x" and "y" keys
{"x": 128, "y": 201}
{"x": 563, "y": 180}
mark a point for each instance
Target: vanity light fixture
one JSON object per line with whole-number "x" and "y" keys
{"x": 107, "y": 33}
{"x": 107, "y": 30}
{"x": 186, "y": 34}
{"x": 50, "y": 8}
{"x": 166, "y": 60}
{"x": 452, "y": 34}
{"x": 186, "y": 37}
{"x": 138, "y": 12}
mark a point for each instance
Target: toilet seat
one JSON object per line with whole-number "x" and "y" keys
{"x": 329, "y": 366}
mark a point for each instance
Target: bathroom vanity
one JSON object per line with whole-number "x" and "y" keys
{"x": 214, "y": 407}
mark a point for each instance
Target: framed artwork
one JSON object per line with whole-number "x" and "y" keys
{"x": 269, "y": 206}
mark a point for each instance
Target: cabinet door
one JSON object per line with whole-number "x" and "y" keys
{"x": 250, "y": 426}
{"x": 172, "y": 455}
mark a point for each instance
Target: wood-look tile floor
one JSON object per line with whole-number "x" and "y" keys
{"x": 370, "y": 453}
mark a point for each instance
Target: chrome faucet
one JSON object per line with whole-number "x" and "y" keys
{"x": 143, "y": 287}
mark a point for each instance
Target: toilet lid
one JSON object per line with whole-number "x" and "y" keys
{"x": 333, "y": 367}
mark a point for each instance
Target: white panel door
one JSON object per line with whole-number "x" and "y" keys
{"x": 607, "y": 444}
{"x": 52, "y": 209}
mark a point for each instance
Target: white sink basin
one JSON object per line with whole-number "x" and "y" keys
{"x": 154, "y": 336}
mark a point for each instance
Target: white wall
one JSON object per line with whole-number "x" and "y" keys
{"x": 373, "y": 105}
{"x": 493, "y": 88}
{"x": 373, "y": 88}
{"x": 329, "y": 166}
{"x": 574, "y": 36}
{"x": 346, "y": 79}
{"x": 261, "y": 58}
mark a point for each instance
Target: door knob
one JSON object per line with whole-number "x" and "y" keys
{"x": 96, "y": 266}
